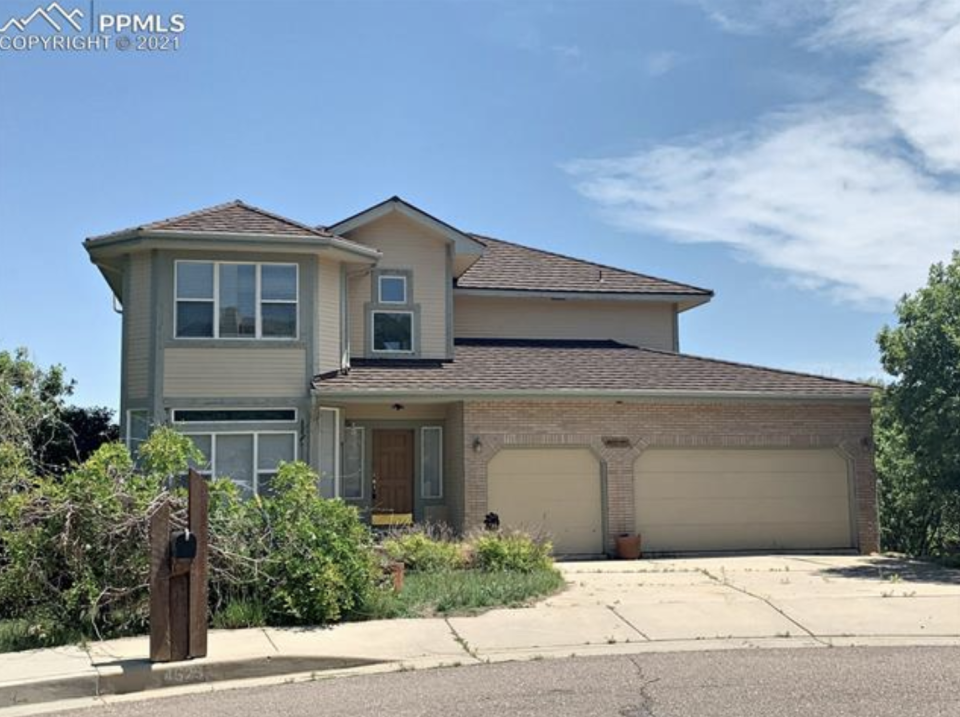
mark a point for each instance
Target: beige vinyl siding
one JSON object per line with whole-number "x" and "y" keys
{"x": 327, "y": 340}
{"x": 136, "y": 313}
{"x": 631, "y": 322}
{"x": 405, "y": 244}
{"x": 553, "y": 490}
{"x": 230, "y": 372}
{"x": 358, "y": 294}
{"x": 731, "y": 499}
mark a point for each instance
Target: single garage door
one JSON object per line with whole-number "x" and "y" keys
{"x": 556, "y": 490}
{"x": 758, "y": 499}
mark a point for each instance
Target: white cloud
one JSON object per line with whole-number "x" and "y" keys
{"x": 657, "y": 64}
{"x": 848, "y": 197}
{"x": 916, "y": 72}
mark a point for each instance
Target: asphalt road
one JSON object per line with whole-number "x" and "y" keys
{"x": 840, "y": 682}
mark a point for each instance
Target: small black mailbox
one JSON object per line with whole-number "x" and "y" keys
{"x": 183, "y": 545}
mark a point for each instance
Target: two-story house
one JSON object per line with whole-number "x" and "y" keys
{"x": 432, "y": 374}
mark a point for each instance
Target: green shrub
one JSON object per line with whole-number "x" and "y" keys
{"x": 74, "y": 550}
{"x": 513, "y": 551}
{"x": 240, "y": 614}
{"x": 320, "y": 562}
{"x": 418, "y": 551}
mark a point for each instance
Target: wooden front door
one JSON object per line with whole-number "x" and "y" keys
{"x": 393, "y": 471}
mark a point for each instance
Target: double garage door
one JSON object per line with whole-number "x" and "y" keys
{"x": 759, "y": 499}
{"x": 685, "y": 499}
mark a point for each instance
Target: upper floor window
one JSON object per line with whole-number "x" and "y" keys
{"x": 393, "y": 289}
{"x": 392, "y": 331}
{"x": 234, "y": 300}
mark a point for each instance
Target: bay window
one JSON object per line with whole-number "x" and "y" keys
{"x": 249, "y": 459}
{"x": 235, "y": 300}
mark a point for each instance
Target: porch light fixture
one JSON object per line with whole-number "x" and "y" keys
{"x": 397, "y": 407}
{"x": 477, "y": 444}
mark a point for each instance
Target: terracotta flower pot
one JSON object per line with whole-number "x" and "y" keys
{"x": 396, "y": 572}
{"x": 628, "y": 547}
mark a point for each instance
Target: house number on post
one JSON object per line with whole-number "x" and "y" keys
{"x": 178, "y": 580}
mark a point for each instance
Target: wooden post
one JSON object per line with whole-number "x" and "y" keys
{"x": 199, "y": 503}
{"x": 178, "y": 587}
{"x": 160, "y": 584}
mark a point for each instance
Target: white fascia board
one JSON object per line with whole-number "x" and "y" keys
{"x": 108, "y": 245}
{"x": 372, "y": 396}
{"x": 686, "y": 300}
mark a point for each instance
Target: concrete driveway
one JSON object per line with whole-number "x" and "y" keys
{"x": 609, "y": 608}
{"x": 729, "y": 602}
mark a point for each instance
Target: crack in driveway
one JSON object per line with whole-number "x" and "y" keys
{"x": 767, "y": 601}
{"x": 629, "y": 624}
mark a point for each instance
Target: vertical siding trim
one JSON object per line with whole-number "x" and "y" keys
{"x": 161, "y": 310}
{"x": 125, "y": 346}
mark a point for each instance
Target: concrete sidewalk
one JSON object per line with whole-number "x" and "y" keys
{"x": 608, "y": 608}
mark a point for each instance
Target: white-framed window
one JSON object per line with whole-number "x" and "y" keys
{"x": 431, "y": 462}
{"x": 351, "y": 475}
{"x": 234, "y": 415}
{"x": 392, "y": 289}
{"x": 392, "y": 331}
{"x": 249, "y": 459}
{"x": 138, "y": 428}
{"x": 235, "y": 300}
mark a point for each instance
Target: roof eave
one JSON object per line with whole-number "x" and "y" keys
{"x": 154, "y": 238}
{"x": 426, "y": 395}
{"x": 687, "y": 300}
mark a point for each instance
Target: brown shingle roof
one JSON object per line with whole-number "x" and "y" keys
{"x": 556, "y": 366}
{"x": 234, "y": 217}
{"x": 508, "y": 266}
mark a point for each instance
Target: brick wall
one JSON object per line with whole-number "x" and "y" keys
{"x": 497, "y": 424}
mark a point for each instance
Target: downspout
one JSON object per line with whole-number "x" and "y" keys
{"x": 676, "y": 328}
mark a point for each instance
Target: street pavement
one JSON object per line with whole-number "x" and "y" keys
{"x": 840, "y": 682}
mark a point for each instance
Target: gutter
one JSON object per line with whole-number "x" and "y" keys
{"x": 689, "y": 300}
{"x": 424, "y": 396}
{"x": 277, "y": 240}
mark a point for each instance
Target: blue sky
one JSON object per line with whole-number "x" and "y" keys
{"x": 801, "y": 159}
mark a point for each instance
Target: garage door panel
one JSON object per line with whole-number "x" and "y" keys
{"x": 737, "y": 484}
{"x": 547, "y": 461}
{"x": 685, "y": 511}
{"x": 739, "y": 499}
{"x": 738, "y": 460}
{"x": 556, "y": 491}
{"x": 747, "y": 536}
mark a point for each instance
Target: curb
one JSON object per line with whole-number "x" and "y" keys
{"x": 130, "y": 676}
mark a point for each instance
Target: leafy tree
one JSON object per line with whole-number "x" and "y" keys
{"x": 78, "y": 433}
{"x": 31, "y": 403}
{"x": 918, "y": 418}
{"x": 38, "y": 430}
